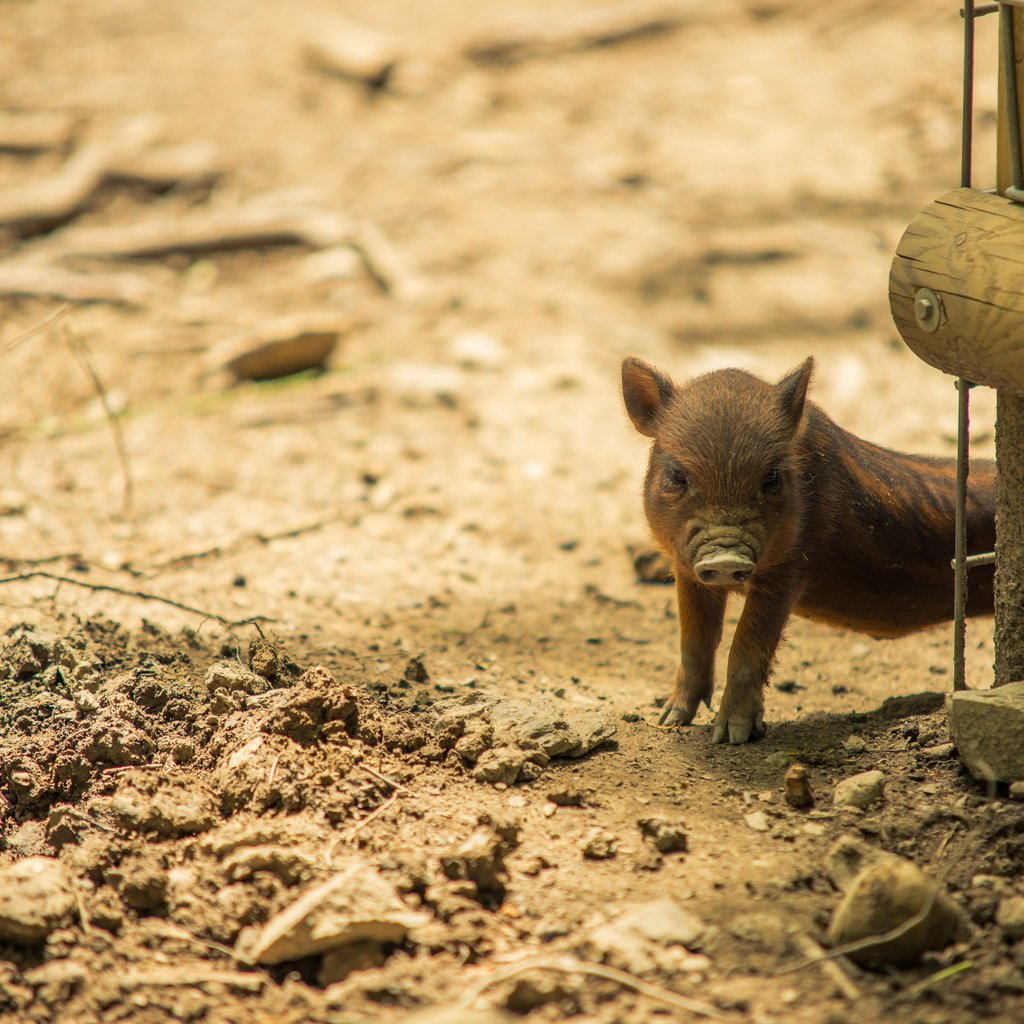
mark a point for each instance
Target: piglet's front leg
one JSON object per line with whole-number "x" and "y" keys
{"x": 701, "y": 613}
{"x": 769, "y": 601}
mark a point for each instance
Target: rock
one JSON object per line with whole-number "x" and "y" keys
{"x": 1016, "y": 791}
{"x": 278, "y": 348}
{"x": 640, "y": 938}
{"x": 987, "y": 728}
{"x": 499, "y": 764}
{"x": 36, "y": 897}
{"x": 1010, "y": 916}
{"x": 338, "y": 964}
{"x": 600, "y": 846}
{"x": 861, "y": 790}
{"x": 758, "y": 821}
{"x": 666, "y": 835}
{"x": 229, "y": 675}
{"x": 355, "y": 905}
{"x": 796, "y": 786}
{"x": 937, "y": 752}
{"x": 880, "y": 899}
{"x": 848, "y": 857}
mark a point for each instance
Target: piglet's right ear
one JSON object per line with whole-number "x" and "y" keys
{"x": 645, "y": 392}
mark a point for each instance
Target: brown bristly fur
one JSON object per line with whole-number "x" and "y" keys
{"x": 832, "y": 527}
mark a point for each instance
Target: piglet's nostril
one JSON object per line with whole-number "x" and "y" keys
{"x": 707, "y": 575}
{"x": 742, "y": 574}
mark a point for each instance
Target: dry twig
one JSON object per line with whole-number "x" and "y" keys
{"x": 80, "y": 350}
{"x": 570, "y": 965}
{"x": 813, "y": 951}
{"x": 140, "y": 594}
{"x": 50, "y": 321}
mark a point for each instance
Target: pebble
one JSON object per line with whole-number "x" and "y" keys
{"x": 884, "y": 896}
{"x": 758, "y": 821}
{"x": 855, "y": 744}
{"x": 36, "y": 897}
{"x": 797, "y": 787}
{"x": 861, "y": 790}
{"x": 1017, "y": 790}
{"x": 646, "y": 935}
{"x": 602, "y": 846}
{"x": 1010, "y": 916}
{"x": 357, "y": 904}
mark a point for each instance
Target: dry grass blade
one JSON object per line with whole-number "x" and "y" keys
{"x": 32, "y": 332}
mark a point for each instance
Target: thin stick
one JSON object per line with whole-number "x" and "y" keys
{"x": 381, "y": 777}
{"x": 570, "y": 965}
{"x": 81, "y": 352}
{"x": 140, "y": 594}
{"x": 51, "y": 321}
{"x": 813, "y": 951}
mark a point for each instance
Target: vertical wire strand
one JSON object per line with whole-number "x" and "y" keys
{"x": 963, "y": 390}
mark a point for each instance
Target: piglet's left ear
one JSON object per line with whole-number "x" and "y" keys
{"x": 792, "y": 391}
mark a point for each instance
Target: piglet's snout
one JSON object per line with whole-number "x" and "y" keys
{"x": 724, "y": 567}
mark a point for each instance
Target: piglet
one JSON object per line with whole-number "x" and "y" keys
{"x": 753, "y": 489}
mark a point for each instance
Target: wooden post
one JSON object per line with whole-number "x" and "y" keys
{"x": 1009, "y": 585}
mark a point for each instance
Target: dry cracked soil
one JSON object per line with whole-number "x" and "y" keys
{"x": 333, "y": 697}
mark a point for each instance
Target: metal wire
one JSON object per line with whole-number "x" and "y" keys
{"x": 963, "y": 390}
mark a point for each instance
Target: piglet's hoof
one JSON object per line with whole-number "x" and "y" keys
{"x": 674, "y": 715}
{"x": 738, "y": 730}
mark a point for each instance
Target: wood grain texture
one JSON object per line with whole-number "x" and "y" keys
{"x": 968, "y": 247}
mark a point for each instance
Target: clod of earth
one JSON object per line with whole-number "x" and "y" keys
{"x": 162, "y": 804}
{"x": 36, "y": 897}
{"x": 481, "y": 859}
{"x": 884, "y": 897}
{"x": 850, "y": 855}
{"x": 355, "y": 905}
{"x": 540, "y": 733}
{"x": 987, "y": 727}
{"x": 666, "y": 835}
{"x": 658, "y": 935}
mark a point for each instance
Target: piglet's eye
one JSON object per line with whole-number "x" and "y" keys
{"x": 772, "y": 482}
{"x": 676, "y": 478}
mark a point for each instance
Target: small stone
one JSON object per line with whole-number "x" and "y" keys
{"x": 880, "y": 899}
{"x": 855, "y": 744}
{"x": 797, "y": 787}
{"x": 638, "y": 938}
{"x": 568, "y": 797}
{"x": 36, "y": 897}
{"x": 758, "y": 821}
{"x": 987, "y": 727}
{"x": 1016, "y": 791}
{"x": 849, "y": 856}
{"x": 602, "y": 846}
{"x": 499, "y": 764}
{"x": 861, "y": 790}
{"x": 667, "y": 836}
{"x": 478, "y": 350}
{"x": 1010, "y": 916}
{"x": 938, "y": 752}
{"x": 355, "y": 905}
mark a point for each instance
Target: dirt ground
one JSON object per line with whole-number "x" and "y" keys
{"x": 449, "y": 513}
